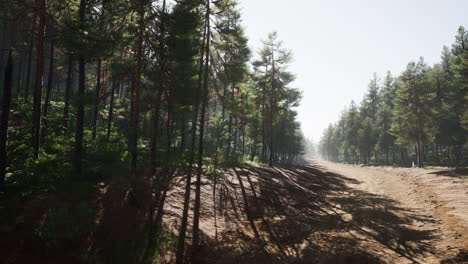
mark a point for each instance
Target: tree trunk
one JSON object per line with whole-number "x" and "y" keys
{"x": 196, "y": 213}
{"x": 50, "y": 81}
{"x": 236, "y": 135}
{"x": 68, "y": 85}
{"x": 20, "y": 76}
{"x": 30, "y": 57}
{"x": 111, "y": 109}
{"x": 137, "y": 89}
{"x": 78, "y": 151}
{"x": 230, "y": 126}
{"x": 264, "y": 121}
{"x": 154, "y": 137}
{"x": 183, "y": 227}
{"x": 272, "y": 104}
{"x": 6, "y": 102}
{"x": 159, "y": 94}
{"x": 40, "y": 5}
{"x": 418, "y": 154}
{"x": 96, "y": 102}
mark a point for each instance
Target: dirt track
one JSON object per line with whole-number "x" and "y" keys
{"x": 329, "y": 213}
{"x": 437, "y": 197}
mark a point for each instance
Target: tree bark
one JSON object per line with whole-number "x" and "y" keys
{"x": 183, "y": 227}
{"x": 78, "y": 151}
{"x": 96, "y": 102}
{"x": 111, "y": 109}
{"x": 30, "y": 57}
{"x": 204, "y": 92}
{"x": 272, "y": 104}
{"x": 20, "y": 76}
{"x": 137, "y": 87}
{"x": 68, "y": 85}
{"x": 6, "y": 103}
{"x": 40, "y": 5}
{"x": 50, "y": 81}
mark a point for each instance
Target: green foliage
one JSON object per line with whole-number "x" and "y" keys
{"x": 105, "y": 159}
{"x": 64, "y": 224}
{"x": 212, "y": 170}
{"x": 412, "y": 117}
{"x": 424, "y": 107}
{"x": 250, "y": 111}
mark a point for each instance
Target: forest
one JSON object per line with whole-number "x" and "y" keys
{"x": 139, "y": 93}
{"x": 153, "y": 131}
{"x": 419, "y": 116}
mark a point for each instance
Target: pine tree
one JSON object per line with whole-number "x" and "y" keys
{"x": 412, "y": 108}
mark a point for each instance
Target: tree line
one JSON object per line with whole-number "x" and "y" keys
{"x": 420, "y": 115}
{"x": 91, "y": 89}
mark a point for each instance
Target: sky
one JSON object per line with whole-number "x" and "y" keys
{"x": 339, "y": 44}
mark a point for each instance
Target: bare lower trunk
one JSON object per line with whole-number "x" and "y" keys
{"x": 196, "y": 213}
{"x": 30, "y": 58}
{"x": 50, "y": 81}
{"x": 78, "y": 151}
{"x": 96, "y": 102}
{"x": 137, "y": 89}
{"x": 111, "y": 109}
{"x": 68, "y": 85}
{"x": 6, "y": 102}
{"x": 183, "y": 227}
{"x": 40, "y": 5}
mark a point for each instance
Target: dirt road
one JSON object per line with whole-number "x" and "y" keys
{"x": 330, "y": 213}
{"x": 433, "y": 207}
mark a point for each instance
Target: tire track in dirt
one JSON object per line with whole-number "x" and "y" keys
{"x": 318, "y": 213}
{"x": 405, "y": 186}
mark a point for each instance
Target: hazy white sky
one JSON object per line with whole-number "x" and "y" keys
{"x": 339, "y": 44}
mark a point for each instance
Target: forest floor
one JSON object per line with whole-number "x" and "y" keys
{"x": 321, "y": 213}
{"x": 331, "y": 213}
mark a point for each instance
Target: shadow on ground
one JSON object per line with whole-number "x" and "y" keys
{"x": 456, "y": 172}
{"x": 301, "y": 214}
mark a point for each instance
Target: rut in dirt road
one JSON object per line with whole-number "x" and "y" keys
{"x": 303, "y": 214}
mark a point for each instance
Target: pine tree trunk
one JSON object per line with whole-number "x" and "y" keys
{"x": 264, "y": 121}
{"x": 96, "y": 102}
{"x": 3, "y": 39}
{"x": 30, "y": 58}
{"x": 159, "y": 94}
{"x": 230, "y": 127}
{"x": 418, "y": 154}
{"x": 183, "y": 227}
{"x": 50, "y": 81}
{"x": 40, "y": 5}
{"x": 6, "y": 102}
{"x": 236, "y": 135}
{"x": 111, "y": 109}
{"x": 272, "y": 104}
{"x": 204, "y": 93}
{"x": 168, "y": 128}
{"x": 20, "y": 76}
{"x": 137, "y": 89}
{"x": 68, "y": 87}
{"x": 78, "y": 151}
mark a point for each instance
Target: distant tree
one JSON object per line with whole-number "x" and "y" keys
{"x": 413, "y": 108}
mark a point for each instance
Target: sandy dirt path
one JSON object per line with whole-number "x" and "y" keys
{"x": 328, "y": 213}
{"x": 438, "y": 196}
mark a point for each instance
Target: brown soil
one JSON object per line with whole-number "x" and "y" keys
{"x": 319, "y": 213}
{"x": 330, "y": 213}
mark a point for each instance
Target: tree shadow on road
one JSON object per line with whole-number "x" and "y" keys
{"x": 303, "y": 214}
